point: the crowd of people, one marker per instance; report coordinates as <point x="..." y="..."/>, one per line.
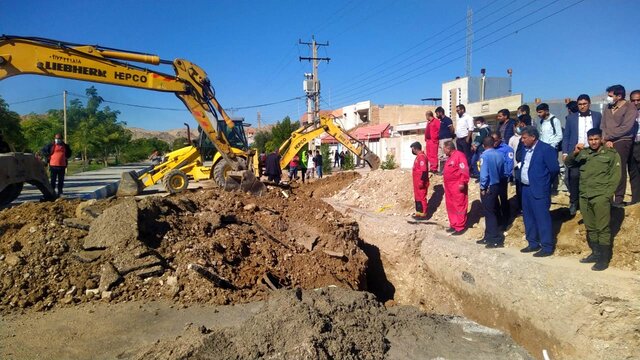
<point x="305" y="165"/>
<point x="596" y="150"/>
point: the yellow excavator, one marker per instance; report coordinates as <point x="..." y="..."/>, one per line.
<point x="325" y="124"/>
<point x="40" y="56"/>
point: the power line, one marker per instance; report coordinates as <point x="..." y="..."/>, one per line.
<point x="264" y="105"/>
<point x="30" y="100"/>
<point x="535" y="22"/>
<point x="353" y="87"/>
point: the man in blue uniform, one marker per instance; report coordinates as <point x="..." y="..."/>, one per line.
<point x="504" y="213"/>
<point x="491" y="170"/>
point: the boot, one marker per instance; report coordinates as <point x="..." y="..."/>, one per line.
<point x="595" y="254"/>
<point x="603" y="259"/>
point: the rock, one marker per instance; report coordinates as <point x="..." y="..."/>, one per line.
<point x="67" y="300"/>
<point x="116" y="225"/>
<point x="337" y="254"/>
<point x="32" y="229"/>
<point x="172" y="281"/>
<point x="14" y="260"/>
<point x="85" y="211"/>
<point x="108" y="277"/>
<point x="609" y="309"/>
<point x="250" y="207"/>
<point x="308" y="242"/>
<point x="106" y="295"/>
<point x="88" y="256"/>
<point x="148" y="272"/>
<point x="71" y="291"/>
<point x="91" y="292"/>
<point x="77" y="223"/>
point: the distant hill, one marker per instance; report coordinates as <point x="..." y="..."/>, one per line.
<point x="168" y="135"/>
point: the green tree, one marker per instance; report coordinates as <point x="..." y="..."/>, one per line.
<point x="326" y="159"/>
<point x="179" y="143"/>
<point x="348" y="161"/>
<point x="260" y="140"/>
<point x="10" y="127"/>
<point x="140" y="149"/>
<point x="281" y="131"/>
<point x="39" y="130"/>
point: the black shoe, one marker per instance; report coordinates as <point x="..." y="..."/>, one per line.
<point x="573" y="209"/>
<point x="592" y="258"/>
<point x="542" y="253"/>
<point x="451" y="230"/>
<point x="494" y="245"/>
<point x="482" y="242"/>
<point x="529" y="249"/>
<point x="603" y="259"/>
<point x="459" y="232"/>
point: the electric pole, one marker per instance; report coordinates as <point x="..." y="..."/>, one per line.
<point x="312" y="83"/>
<point x="64" y="113"/>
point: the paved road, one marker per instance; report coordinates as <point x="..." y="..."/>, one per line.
<point x="86" y="185"/>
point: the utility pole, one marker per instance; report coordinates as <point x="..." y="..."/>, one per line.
<point x="313" y="91"/>
<point x="259" y="119"/>
<point x="469" y="40"/>
<point x="64" y="113"/>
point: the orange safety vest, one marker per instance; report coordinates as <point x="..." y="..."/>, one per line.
<point x="58" y="156"/>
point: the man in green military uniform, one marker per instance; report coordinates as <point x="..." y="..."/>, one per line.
<point x="599" y="178"/>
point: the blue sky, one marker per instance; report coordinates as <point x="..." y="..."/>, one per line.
<point x="389" y="52"/>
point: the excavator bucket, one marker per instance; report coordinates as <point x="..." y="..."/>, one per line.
<point x="248" y="182"/>
<point x="129" y="184"/>
<point x="18" y="168"/>
<point x="373" y="160"/>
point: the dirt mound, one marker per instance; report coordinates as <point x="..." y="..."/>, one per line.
<point x="207" y="246"/>
<point x="329" y="185"/>
<point x="391" y="192"/>
<point x="334" y="323"/>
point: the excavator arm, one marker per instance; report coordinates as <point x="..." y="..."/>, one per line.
<point x="38" y="56"/>
<point x="304" y="135"/>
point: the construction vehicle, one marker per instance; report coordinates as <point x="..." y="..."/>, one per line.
<point x="188" y="163"/>
<point x="325" y="124"/>
<point x="39" y="56"/>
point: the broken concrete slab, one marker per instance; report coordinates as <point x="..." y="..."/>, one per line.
<point x="88" y="256"/>
<point x="77" y="223"/>
<point x="307" y="242"/>
<point x="108" y="277"/>
<point x="85" y="210"/>
<point x="116" y="225"/>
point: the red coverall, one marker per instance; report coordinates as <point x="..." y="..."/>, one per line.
<point x="431" y="138"/>
<point x="456" y="173"/>
<point x="420" y="183"/>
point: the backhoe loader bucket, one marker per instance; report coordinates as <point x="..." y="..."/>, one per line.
<point x="129" y="185"/>
<point x="18" y="168"/>
<point x="248" y="182"/>
<point x="373" y="160"/>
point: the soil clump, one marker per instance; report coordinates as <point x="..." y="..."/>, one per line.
<point x="207" y="246"/>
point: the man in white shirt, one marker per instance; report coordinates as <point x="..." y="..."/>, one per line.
<point x="464" y="130"/>
<point x="550" y="127"/>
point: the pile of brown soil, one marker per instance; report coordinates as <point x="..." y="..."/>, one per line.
<point x="391" y="192"/>
<point x="333" y="323"/>
<point x="208" y="246"/>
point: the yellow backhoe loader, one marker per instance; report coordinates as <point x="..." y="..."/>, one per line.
<point x="325" y="124"/>
<point x="39" y="56"/>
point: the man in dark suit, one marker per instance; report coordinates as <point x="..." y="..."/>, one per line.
<point x="539" y="170"/>
<point x="575" y="132"/>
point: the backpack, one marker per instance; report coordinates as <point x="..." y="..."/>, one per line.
<point x="553" y="126"/>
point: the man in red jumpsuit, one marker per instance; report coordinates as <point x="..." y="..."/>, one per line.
<point x="456" y="178"/>
<point x="431" y="138"/>
<point x="420" y="181"/>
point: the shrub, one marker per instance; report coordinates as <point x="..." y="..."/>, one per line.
<point x="389" y="163"/>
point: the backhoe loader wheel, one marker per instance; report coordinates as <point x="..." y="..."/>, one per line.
<point x="175" y="181"/>
<point x="221" y="175"/>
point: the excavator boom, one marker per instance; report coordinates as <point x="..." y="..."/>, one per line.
<point x="304" y="135"/>
<point x="38" y="56"/>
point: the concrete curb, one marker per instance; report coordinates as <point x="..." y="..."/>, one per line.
<point x="110" y="189"/>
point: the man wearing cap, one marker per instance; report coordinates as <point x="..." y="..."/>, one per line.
<point x="455" y="175"/>
<point x="58" y="152"/>
<point x="420" y="174"/>
<point x="431" y="138"/>
<point x="599" y="178"/>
